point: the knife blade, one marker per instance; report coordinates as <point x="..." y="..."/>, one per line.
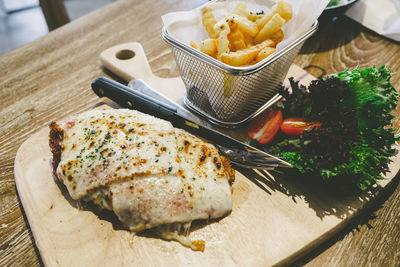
<point x="141" y="86"/>
<point x="159" y="106"/>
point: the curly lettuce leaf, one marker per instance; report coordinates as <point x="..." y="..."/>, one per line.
<point x="372" y="95"/>
<point x="354" y="144"/>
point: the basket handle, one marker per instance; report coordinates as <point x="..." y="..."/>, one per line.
<point x="128" y="61"/>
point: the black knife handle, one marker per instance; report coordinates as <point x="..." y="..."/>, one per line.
<point x="127" y="97"/>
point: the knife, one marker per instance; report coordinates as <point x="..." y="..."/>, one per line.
<point x="145" y="99"/>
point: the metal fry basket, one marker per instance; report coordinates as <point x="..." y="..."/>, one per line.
<point x="230" y="96"/>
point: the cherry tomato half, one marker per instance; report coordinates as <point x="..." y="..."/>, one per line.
<point x="266" y="126"/>
<point x="296" y="126"/>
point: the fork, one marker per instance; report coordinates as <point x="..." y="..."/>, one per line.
<point x="254" y="159"/>
<point x="154" y="103"/>
<point x="247" y="159"/>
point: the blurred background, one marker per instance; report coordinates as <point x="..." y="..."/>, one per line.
<point x="22" y="21"/>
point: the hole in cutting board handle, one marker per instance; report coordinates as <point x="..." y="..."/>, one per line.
<point x="125" y="54"/>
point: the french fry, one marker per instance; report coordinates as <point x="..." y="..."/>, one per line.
<point x="237" y="41"/>
<point x="241" y="10"/>
<point x="194" y="45"/>
<point x="284" y="9"/>
<point x="265" y="52"/>
<point x="246" y="26"/>
<point x="248" y="40"/>
<point x="227" y="85"/>
<point x="209" y="47"/>
<point x="236" y="37"/>
<point x="272" y="26"/>
<point x="244" y="37"/>
<point x="245" y="56"/>
<point x="241" y="57"/>
<point x="209" y="22"/>
<point x="254" y="16"/>
<point x="222" y="30"/>
<point x="277" y="37"/>
<point x="223" y="44"/>
<point x="221" y="26"/>
<point x="263" y="19"/>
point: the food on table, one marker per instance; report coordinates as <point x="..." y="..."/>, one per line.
<point x="266" y="126"/>
<point x="354" y="143"/>
<point x="243" y="37"/>
<point x="145" y="170"/>
<point x="209" y="22"/>
<point x="296" y="126"/>
<point x="247" y="55"/>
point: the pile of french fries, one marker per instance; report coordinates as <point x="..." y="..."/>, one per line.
<point x="244" y="38"/>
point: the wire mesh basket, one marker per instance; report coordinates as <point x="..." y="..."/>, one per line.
<point x="230" y="96"/>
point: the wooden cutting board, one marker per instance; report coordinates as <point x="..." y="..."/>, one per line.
<point x="275" y="218"/>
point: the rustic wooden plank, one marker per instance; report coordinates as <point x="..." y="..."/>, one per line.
<point x="373" y="239"/>
<point x="279" y="219"/>
<point x="50" y="77"/>
<point x="370" y="241"/>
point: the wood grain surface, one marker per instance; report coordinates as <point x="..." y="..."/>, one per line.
<point x="279" y="216"/>
<point x="51" y="77"/>
<point x="274" y="220"/>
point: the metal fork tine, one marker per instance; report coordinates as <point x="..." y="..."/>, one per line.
<point x="254" y="160"/>
<point x="256" y="156"/>
<point x="245" y="157"/>
<point x="251" y="166"/>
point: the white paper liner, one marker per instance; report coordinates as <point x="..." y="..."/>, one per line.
<point x="187" y="26"/>
<point x="381" y="16"/>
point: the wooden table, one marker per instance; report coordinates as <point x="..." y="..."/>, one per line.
<point x="51" y="77"/>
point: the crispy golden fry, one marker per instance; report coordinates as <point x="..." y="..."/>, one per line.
<point x="265" y="52"/>
<point x="241" y="57"/>
<point x="248" y="40"/>
<point x="246" y="26"/>
<point x="241" y="10"/>
<point x="194" y="45"/>
<point x="209" y="22"/>
<point x="277" y="37"/>
<point x="284" y="9"/>
<point x="245" y="56"/>
<point x="227" y="85"/>
<point x="236" y="37"/>
<point x="254" y="16"/>
<point x="223" y="44"/>
<point x="209" y="47"/>
<point x="272" y="26"/>
<point x="243" y="37"/>
<point x="263" y="19"/>
<point x="222" y="29"/>
<point x="221" y="26"/>
<point x="237" y="41"/>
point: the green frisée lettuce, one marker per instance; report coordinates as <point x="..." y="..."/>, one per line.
<point x="374" y="98"/>
<point x="355" y="142"/>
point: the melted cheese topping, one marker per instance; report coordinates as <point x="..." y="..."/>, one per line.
<point x="146" y="171"/>
<point x="103" y="147"/>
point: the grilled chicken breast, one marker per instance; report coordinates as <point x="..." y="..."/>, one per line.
<point x="141" y="167"/>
